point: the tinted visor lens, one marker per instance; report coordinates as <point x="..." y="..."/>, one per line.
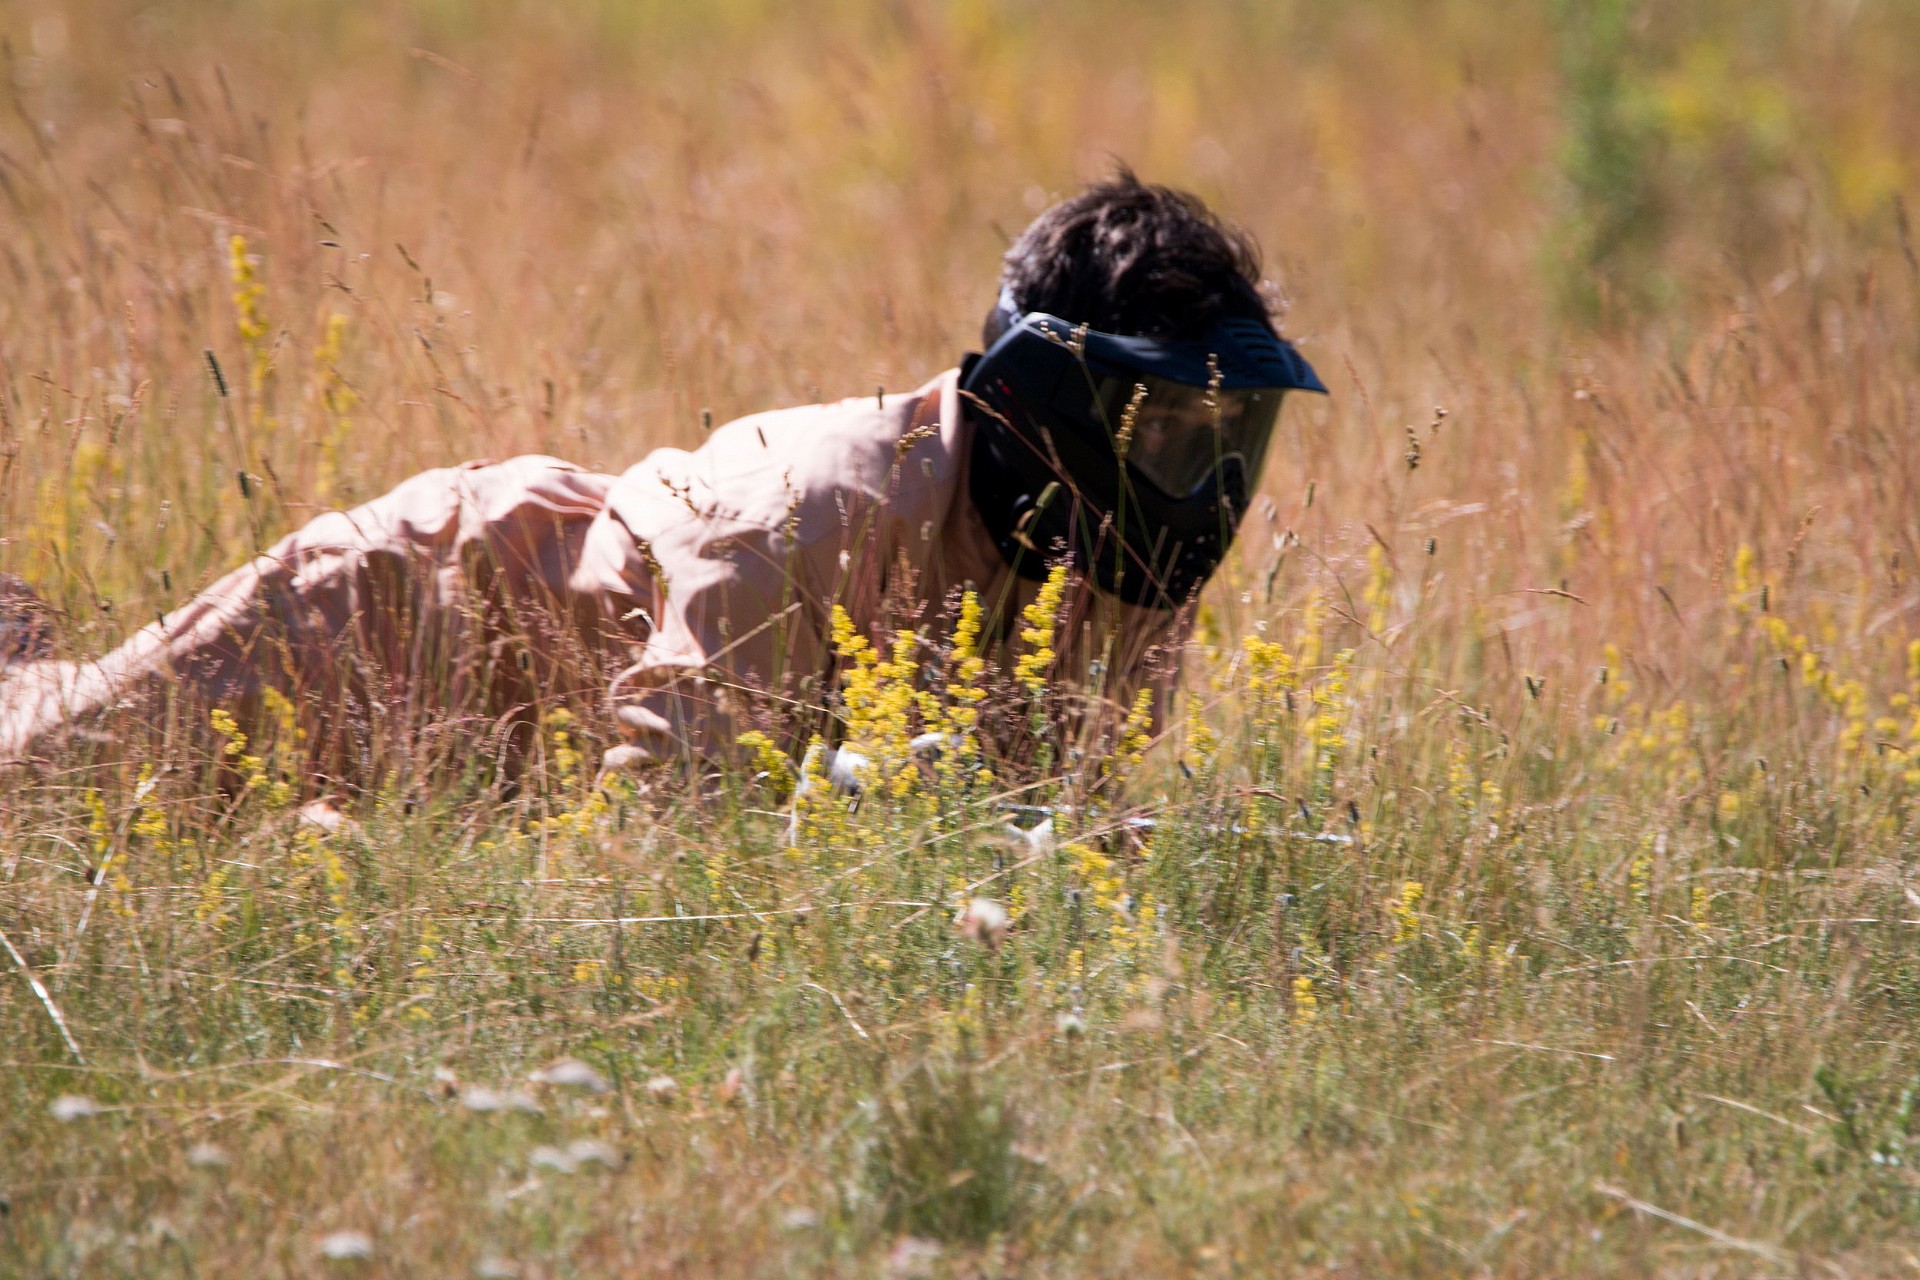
<point x="1180" y="439"/>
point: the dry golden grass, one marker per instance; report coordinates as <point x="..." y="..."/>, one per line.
<point x="1598" y="687"/>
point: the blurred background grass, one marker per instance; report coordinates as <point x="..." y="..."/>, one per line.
<point x="1615" y="652"/>
<point x="574" y="231"/>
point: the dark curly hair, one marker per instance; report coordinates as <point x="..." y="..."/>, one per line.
<point x="1130" y="257"/>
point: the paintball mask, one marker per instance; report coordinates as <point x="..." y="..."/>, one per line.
<point x="1133" y="457"/>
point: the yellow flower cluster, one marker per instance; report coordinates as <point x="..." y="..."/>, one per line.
<point x="1405" y="911"/>
<point x="1132" y="922"/>
<point x="1640" y="871"/>
<point x="1202" y="742"/>
<point x="1459" y="775"/>
<point x="1573" y="495"/>
<point x="425" y="954"/>
<point x="1473" y="945"/>
<point x="1137" y="733"/>
<point x="1306" y="1005"/>
<point x="1313" y="614"/>
<point x="767" y="760"/>
<point x="879" y="694"/>
<point x="288" y="735"/>
<point x="342" y="925"/>
<point x="1379" y="593"/>
<point x="248" y="292"/>
<point x="566" y="767"/>
<point x="659" y="989"/>
<point x="967" y="676"/>
<point x="335" y="395"/>
<point x="585" y="971"/>
<point x="1615" y="689"/>
<point x="820" y="820"/>
<point x="566" y="756"/>
<point x="111" y="870"/>
<point x="1096" y="873"/>
<point x="1329" y="712"/>
<point x="1848" y="697"/>
<point x="337" y="401"/>
<point x="1663" y="740"/>
<point x="233" y="745"/>
<point x="150" y="822"/>
<point x="580" y="819"/>
<point x="211" y="910"/>
<point x="1040" y="619"/>
<point x="1746" y="580"/>
<point x="271" y="775"/>
<point x="249" y="305"/>
<point x="99" y="829"/>
<point x="65" y="497"/>
<point x="1271" y="673"/>
<point x="1018" y="902"/>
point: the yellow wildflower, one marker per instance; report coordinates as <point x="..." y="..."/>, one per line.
<point x="1306" y="1006"/>
<point x="1137" y="733"/>
<point x="1040" y="619"/>
<point x="1405" y="911"/>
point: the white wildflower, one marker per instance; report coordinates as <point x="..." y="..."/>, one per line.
<point x="571" y="1073"/>
<point x="344" y="1246"/>
<point x="586" y="1151"/>
<point x="480" y="1098"/>
<point x="983" y="920"/>
<point x="550" y="1158"/>
<point x="204" y="1155"/>
<point x="69" y="1107"/>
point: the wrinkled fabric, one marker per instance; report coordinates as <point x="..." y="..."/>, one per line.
<point x="696" y="585"/>
<point x="443" y="605"/>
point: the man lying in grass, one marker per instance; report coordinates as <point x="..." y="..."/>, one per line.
<point x="1116" y="423"/>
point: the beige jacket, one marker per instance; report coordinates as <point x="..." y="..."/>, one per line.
<point x="688" y="588"/>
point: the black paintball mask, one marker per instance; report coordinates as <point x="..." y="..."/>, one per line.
<point x="1133" y="458"/>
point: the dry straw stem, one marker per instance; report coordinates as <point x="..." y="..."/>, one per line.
<point x="41" y="994"/>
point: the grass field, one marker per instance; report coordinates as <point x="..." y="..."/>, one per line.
<point x="1531" y="885"/>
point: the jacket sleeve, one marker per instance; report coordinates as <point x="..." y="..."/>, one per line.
<point x="729" y="614"/>
<point x="725" y="634"/>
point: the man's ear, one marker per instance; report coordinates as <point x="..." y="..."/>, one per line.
<point x="1000" y="319"/>
<point x="991" y="331"/>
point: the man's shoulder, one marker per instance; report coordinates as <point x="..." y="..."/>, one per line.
<point x="810" y="461"/>
<point x="832" y="430"/>
<point x="850" y="444"/>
